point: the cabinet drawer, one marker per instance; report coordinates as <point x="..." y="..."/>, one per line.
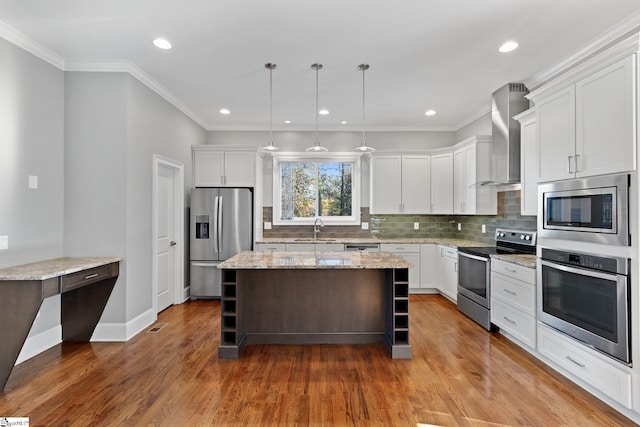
<point x="520" y="325"/>
<point x="513" y="270"/>
<point x="87" y="277"/>
<point x="271" y="247"/>
<point x="446" y="251"/>
<point x="587" y="365"/>
<point x="514" y="293"/>
<point x="399" y="248"/>
<point x="329" y="247"/>
<point x="300" y="247"/>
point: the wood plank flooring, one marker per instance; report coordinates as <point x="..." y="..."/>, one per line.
<point x="460" y="375"/>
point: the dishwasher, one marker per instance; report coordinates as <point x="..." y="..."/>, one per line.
<point x="369" y="247"/>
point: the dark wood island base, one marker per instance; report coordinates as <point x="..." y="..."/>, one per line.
<point x="332" y="304"/>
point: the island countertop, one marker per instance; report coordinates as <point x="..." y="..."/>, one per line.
<point x="248" y="260"/>
<point x="43" y="270"/>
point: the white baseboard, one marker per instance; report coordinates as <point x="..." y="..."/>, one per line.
<point x="186" y="293"/>
<point x="124" y="331"/>
<point x="38" y="343"/>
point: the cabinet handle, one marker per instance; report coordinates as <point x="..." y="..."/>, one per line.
<point x="569" y="164"/>
<point x="513" y="322"/>
<point x="511" y="270"/>
<point x="582" y="365"/>
<point x="575" y="163"/>
<point x="510" y="292"/>
<point x="91" y="276"/>
<point x="455" y="267"/>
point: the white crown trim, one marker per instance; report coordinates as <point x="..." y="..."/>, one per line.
<point x="17" y="38"/>
<point x="485" y="110"/>
<point x="618" y="32"/>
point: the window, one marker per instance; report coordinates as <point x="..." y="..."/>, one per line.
<point x="307" y="187"/>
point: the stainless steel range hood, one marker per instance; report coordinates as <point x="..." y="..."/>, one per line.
<point x="506" y="102"/>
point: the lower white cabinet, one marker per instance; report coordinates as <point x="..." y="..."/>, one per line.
<point x="299" y="247"/>
<point x="447" y="271"/>
<point x="599" y="372"/>
<point x="270" y="247"/>
<point x="513" y="301"/>
<point x="428" y="267"/>
<point x="410" y="253"/>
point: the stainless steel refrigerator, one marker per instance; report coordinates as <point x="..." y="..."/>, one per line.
<point x="221" y="226"/>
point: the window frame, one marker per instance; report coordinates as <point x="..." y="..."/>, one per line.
<point x="353" y="219"/>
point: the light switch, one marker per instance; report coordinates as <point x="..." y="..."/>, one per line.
<point x="459" y="227"/>
<point x="267" y="226"/>
<point x="484" y="228"/>
<point x="364" y="225"/>
<point x="4" y="242"/>
<point x="33" y="181"/>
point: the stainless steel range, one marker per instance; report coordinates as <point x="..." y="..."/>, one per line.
<point x="474" y="272"/>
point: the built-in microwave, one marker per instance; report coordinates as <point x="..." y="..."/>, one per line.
<point x="594" y="209"/>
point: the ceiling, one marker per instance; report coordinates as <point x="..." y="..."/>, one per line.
<point x="423" y="54"/>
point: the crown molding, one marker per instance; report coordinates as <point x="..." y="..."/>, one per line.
<point x="336" y="128"/>
<point x="140" y="75"/>
<point x="485" y="110"/>
<point x="618" y="32"/>
<point x="17" y="38"/>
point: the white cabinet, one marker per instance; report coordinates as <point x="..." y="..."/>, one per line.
<point x="513" y="301"/>
<point x="442" y="183"/>
<point x="300" y="247"/>
<point x="410" y="253"/>
<point x="428" y="267"/>
<point x="215" y="167"/>
<point x="400" y="184"/>
<point x="598" y="372"/>
<point x="529" y="163"/>
<point x="587" y="127"/>
<point x="472" y="165"/>
<point x="329" y="247"/>
<point x="447" y="271"/>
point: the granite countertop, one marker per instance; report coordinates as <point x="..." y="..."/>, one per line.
<point x="528" y="261"/>
<point x="453" y="242"/>
<point x="313" y="260"/>
<point x="43" y="270"/>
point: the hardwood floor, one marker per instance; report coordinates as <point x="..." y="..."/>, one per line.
<point x="460" y="375"/>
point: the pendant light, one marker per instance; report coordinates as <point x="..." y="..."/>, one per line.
<point x="270" y="147"/>
<point x="317" y="148"/>
<point x="363" y="148"/>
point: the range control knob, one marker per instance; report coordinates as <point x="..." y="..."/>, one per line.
<point x="527" y="237"/>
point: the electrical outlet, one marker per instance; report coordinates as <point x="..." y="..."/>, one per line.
<point x="459" y="227"/>
<point x="33" y="181"/>
<point x="416" y="226"/>
<point x="484" y="228"/>
<point x="267" y="226"/>
<point x="4" y="242"/>
<point x="364" y="225"/>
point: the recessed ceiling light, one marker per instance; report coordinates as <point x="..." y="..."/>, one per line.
<point x="508" y="47"/>
<point x="225" y="111"/>
<point x="344" y="122"/>
<point x="162" y="44"/>
<point x="430" y="113"/>
<point x="287" y="121"/>
<point x="323" y="112"/>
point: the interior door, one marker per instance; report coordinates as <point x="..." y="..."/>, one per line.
<point x="165" y="237"/>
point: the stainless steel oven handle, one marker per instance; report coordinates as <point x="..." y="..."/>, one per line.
<point x="581" y="271"/>
<point x="478" y="258"/>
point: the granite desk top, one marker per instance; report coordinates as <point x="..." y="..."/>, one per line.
<point x="43" y="270"/>
<point x="313" y="260"/>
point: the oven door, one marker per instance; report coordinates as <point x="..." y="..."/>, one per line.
<point x="591" y="306"/>
<point x="473" y="278"/>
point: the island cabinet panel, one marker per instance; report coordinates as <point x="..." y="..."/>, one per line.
<point x="315" y="306"/>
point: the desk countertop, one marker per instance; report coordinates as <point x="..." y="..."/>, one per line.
<point x="43" y="270"/>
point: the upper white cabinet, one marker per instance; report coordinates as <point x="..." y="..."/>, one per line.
<point x="442" y="183"/>
<point x="400" y="184"/>
<point x="471" y="166"/>
<point x="529" y="163"/>
<point x="216" y="167"/>
<point x="585" y="122"/>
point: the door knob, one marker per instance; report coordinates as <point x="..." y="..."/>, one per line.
<point x="172" y="243"/>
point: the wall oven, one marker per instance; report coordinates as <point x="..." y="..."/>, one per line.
<point x="594" y="209"/>
<point x="588" y="298"/>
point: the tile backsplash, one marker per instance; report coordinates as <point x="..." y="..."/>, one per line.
<point x="402" y="226"/>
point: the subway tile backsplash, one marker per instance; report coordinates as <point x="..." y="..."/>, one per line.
<point x="401" y="226"/>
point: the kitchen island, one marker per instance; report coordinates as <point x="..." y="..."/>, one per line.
<point x="315" y="298"/>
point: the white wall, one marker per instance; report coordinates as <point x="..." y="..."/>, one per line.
<point x="480" y="126"/>
<point x="31" y="143"/>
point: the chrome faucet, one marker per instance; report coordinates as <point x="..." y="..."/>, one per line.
<point x="316" y="227"/>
